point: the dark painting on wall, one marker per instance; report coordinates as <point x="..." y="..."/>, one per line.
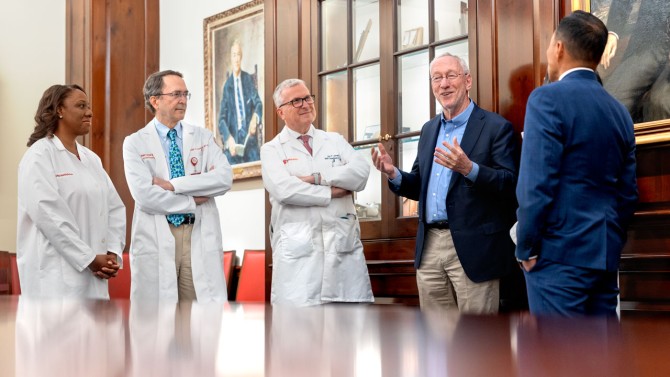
<point x="635" y="67"/>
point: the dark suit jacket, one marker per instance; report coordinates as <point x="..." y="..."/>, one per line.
<point x="228" y="116"/>
<point x="481" y="212"/>
<point x="577" y="188"/>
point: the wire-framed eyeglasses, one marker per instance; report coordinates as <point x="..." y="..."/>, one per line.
<point x="298" y="101"/>
<point x="451" y="77"/>
<point x="176" y="94"/>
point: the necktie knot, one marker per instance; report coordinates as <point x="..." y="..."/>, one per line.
<point x="172" y="134"/>
<point x="305" y="142"/>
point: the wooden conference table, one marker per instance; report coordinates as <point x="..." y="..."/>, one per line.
<point x="117" y="338"/>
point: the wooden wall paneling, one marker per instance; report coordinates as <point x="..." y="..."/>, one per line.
<point x="515" y="59"/>
<point x="482" y="26"/>
<point x="111" y="48"/>
<point x="391" y="267"/>
<point x="644" y="273"/>
<point x="78" y="24"/>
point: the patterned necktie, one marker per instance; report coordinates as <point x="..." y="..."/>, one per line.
<point x="240" y="105"/>
<point x="305" y="142"/>
<point x="176" y="170"/>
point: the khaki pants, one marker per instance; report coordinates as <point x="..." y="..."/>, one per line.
<point x="182" y="259"/>
<point x="442" y="281"/>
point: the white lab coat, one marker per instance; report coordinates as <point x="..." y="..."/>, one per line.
<point x="68" y="211"/>
<point x="152" y="246"/>
<point x="317" y="254"/>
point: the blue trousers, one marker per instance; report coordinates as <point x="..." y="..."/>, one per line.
<point x="570" y="291"/>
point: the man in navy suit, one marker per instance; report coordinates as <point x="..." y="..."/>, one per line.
<point x="464" y="177"/>
<point x="241" y="112"/>
<point x="577" y="188"/>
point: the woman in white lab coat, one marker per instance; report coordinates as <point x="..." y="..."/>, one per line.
<point x="71" y="221"/>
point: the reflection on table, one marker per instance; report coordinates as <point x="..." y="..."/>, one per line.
<point x="119" y="338"/>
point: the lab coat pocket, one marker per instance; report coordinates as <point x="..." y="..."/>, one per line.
<point x="296" y="240"/>
<point x="341" y="235"/>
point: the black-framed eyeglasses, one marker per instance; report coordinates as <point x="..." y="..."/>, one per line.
<point x="176" y="94"/>
<point x="298" y="101"/>
<point x="451" y="77"/>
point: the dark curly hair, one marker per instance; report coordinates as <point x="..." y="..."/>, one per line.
<point x="46" y="117"/>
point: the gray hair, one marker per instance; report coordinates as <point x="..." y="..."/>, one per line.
<point x="154" y="86"/>
<point x="288" y="83"/>
<point x="463" y="63"/>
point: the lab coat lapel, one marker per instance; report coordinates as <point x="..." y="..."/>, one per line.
<point x="155" y="147"/>
<point x="187" y="133"/>
<point x="318" y="141"/>
<point x="288" y="141"/>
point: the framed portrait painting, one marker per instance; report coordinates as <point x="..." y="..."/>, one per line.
<point x="635" y="67"/>
<point x="234" y="84"/>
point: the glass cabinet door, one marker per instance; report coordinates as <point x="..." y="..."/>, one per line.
<point x="374" y="84"/>
<point x="412" y="23"/>
<point x="333" y="51"/>
<point x="366" y="30"/>
<point x="366" y="109"/>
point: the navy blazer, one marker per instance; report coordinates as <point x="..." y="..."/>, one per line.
<point x="481" y="212"/>
<point x="577" y="188"/>
<point x="228" y="116"/>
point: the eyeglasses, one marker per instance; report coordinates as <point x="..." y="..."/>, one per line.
<point x="298" y="101"/>
<point x="176" y="95"/>
<point x="451" y="77"/>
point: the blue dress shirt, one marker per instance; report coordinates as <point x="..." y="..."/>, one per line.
<point x="165" y="140"/>
<point x="438" y="183"/>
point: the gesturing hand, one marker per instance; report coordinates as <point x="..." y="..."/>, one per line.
<point x="383" y="161"/>
<point x="453" y="158"/>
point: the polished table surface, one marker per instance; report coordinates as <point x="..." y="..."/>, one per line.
<point x="119" y="338"/>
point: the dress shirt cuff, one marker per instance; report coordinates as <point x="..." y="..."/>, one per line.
<point x="472" y="175"/>
<point x="529" y="258"/>
<point x="398" y="178"/>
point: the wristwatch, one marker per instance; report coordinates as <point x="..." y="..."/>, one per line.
<point x="317" y="178"/>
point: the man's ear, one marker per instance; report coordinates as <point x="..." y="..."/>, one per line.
<point x="560" y="50"/>
<point x="154" y="102"/>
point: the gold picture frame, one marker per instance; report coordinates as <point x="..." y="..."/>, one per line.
<point x="647" y="131"/>
<point x="242" y="26"/>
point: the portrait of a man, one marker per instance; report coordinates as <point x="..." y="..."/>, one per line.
<point x="635" y="67"/>
<point x="234" y="84"/>
<point x="241" y="112"/>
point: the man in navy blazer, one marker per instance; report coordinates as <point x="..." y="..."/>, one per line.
<point x="464" y="177"/>
<point x="577" y="188"/>
<point x="240" y="104"/>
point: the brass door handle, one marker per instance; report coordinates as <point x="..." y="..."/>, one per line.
<point x="386" y="137"/>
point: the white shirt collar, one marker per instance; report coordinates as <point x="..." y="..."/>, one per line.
<point x="572" y="70"/>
